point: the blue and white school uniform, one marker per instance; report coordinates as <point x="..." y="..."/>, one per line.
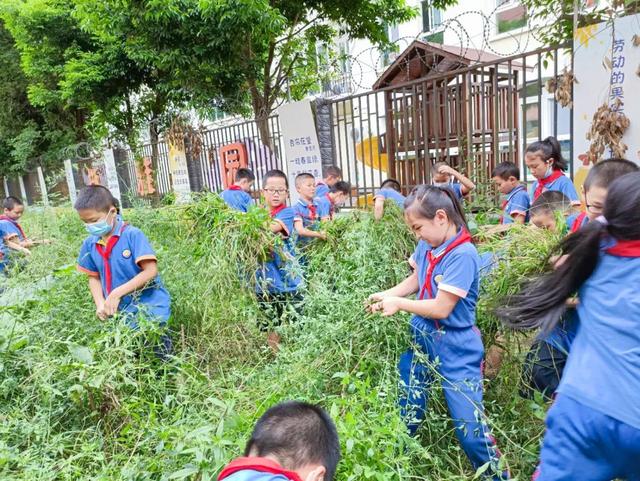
<point x="309" y="214"/>
<point x="453" y="346"/>
<point x="575" y="222"/>
<point x="394" y="195"/>
<point x="326" y="207"/>
<point x="11" y="228"/>
<point x="593" y="428"/>
<point x="118" y="262"/>
<point x="322" y="189"/>
<point x="237" y="199"/>
<point x="516" y="203"/>
<point x="278" y="275"/>
<point x="561" y="184"/>
<point x="456" y="187"/>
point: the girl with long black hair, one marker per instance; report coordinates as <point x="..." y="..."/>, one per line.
<point x="593" y="428"/>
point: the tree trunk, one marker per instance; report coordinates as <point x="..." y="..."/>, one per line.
<point x="261" y="112"/>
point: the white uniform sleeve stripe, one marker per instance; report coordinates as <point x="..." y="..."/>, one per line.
<point x="453" y="290"/>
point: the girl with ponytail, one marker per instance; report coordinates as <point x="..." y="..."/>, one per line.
<point x="545" y="162"/>
<point x="445" y="280"/>
<point x="593" y="428"/>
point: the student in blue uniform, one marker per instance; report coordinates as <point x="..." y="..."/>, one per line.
<point x="277" y="280"/>
<point x="237" y="196"/>
<point x="548" y="356"/>
<point x="515" y="207"/>
<point x="307" y="214"/>
<point x="121" y="265"/>
<point x="11" y="230"/>
<point x="331" y="175"/>
<point x="594" y="189"/>
<point x="389" y="189"/>
<point x="593" y="427"/>
<point x="335" y="198"/>
<point x="546" y="209"/>
<point x="443" y="175"/>
<point x="444" y="322"/>
<point x="292" y="441"/>
<point x="545" y="162"/>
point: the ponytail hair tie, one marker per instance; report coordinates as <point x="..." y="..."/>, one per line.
<point x="603" y="220"/>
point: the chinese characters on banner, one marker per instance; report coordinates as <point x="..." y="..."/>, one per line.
<point x="605" y="63"/>
<point x="300" y="142"/>
<point x="111" y="173"/>
<point x="179" y="174"/>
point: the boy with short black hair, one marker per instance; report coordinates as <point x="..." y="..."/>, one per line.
<point x="121" y="265"/>
<point x="277" y="282"/>
<point x="544" y="208"/>
<point x="389" y="189"/>
<point x="443" y="174"/>
<point x="292" y="441"/>
<point x="237" y="196"/>
<point x="333" y="199"/>
<point x="307" y="215"/>
<point x="331" y="175"/>
<point x="515" y="207"/>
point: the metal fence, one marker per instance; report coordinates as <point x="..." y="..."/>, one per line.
<point x="472" y="118"/>
<point x="203" y="155"/>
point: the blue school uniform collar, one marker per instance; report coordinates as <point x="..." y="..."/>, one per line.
<point x="515" y="190"/>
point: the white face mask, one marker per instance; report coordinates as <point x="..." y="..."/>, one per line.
<point x="549" y="170"/>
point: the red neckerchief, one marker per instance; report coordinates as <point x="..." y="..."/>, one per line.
<point x="433" y="261"/>
<point x="577" y="223"/>
<point x="262" y="465"/>
<point x="18" y="226"/>
<point x="506" y="201"/>
<point x="331" y="205"/>
<point x="625" y="248"/>
<point x="557" y="173"/>
<point x="275" y="211"/>
<point x="235" y="187"/>
<point x="313" y="212"/>
<point x="105" y="253"/>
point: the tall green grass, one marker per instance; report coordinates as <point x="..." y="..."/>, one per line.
<point x="84" y="399"/>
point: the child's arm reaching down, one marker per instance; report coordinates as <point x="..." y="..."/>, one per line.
<point x="438" y="308"/>
<point x="304" y="232"/>
<point x="149" y="272"/>
<point x="405" y="288"/>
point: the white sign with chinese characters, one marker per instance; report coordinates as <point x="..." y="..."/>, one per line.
<point x="300" y="142"/>
<point x="71" y="183"/>
<point x="179" y="174"/>
<point x="605" y="64"/>
<point x="111" y="173"/>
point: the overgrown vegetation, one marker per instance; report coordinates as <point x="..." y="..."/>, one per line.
<point x="82" y="399"/>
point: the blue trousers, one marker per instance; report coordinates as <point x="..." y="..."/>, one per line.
<point x="455" y="356"/>
<point x="587" y="445"/>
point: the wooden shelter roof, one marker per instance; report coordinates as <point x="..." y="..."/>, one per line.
<point x="425" y="59"/>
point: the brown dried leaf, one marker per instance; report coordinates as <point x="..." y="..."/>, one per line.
<point x="636" y="40"/>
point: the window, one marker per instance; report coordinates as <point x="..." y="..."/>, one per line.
<point x="390" y="54"/>
<point x="431" y="17"/>
<point x="510" y="15"/>
<point x="564" y="119"/>
<point x="532" y="125"/>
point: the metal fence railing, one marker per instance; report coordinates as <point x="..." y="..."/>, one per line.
<point x="473" y="117"/>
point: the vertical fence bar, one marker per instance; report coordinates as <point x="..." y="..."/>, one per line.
<point x="524" y="114"/>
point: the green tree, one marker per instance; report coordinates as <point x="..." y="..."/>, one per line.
<point x="239" y="55"/>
